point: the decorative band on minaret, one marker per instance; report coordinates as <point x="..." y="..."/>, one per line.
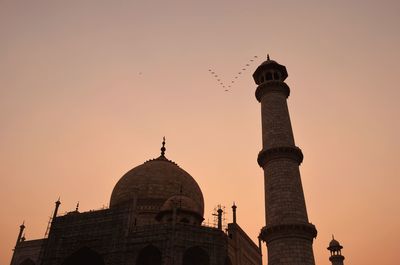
<point x="287" y="233"/>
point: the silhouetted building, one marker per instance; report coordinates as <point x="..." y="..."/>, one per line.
<point x="155" y="217"/>
<point x="156" y="210"/>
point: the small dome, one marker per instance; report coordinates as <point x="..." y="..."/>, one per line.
<point x="183" y="209"/>
<point x="183" y="203"/>
<point x="334" y="243"/>
<point x="269" y="65"/>
<point x="269" y="62"/>
<point x="151" y="184"/>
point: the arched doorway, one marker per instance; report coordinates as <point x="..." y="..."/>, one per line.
<point x="196" y="256"/>
<point x="149" y="255"/>
<point x="84" y="256"/>
<point x="27" y="262"/>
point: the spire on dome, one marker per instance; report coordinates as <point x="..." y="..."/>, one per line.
<point x="163" y="147"/>
<point x="268" y="57"/>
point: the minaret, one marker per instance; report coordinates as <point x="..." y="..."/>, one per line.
<point x="287" y="233"/>
<point x="336" y="252"/>
<point x="234" y="213"/>
<point x="219" y="213"/>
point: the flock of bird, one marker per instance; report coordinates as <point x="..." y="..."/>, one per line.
<point x="228" y="86"/>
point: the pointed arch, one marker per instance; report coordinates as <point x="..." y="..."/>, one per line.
<point x="149" y="255"/>
<point x="196" y="256"/>
<point x="84" y="256"/>
<point x="27" y="261"/>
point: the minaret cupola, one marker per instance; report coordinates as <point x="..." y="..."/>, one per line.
<point x="269" y="71"/>
<point x="336" y="252"/>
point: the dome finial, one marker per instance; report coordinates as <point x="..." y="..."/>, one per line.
<point x="163" y="147"/>
<point x="268" y="57"/>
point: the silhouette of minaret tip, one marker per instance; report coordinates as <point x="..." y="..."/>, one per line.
<point x="335" y="250"/>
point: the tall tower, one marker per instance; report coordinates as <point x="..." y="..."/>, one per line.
<point x="336" y="252"/>
<point x="287" y="233"/>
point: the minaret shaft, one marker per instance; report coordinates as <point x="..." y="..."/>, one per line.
<point x="276" y="126"/>
<point x="288" y="233"/>
<point x="284" y="197"/>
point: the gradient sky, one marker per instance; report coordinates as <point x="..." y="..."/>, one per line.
<point x="88" y="89"/>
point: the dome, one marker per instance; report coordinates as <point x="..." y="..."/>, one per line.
<point x="181" y="209"/>
<point x="183" y="203"/>
<point x="334" y="243"/>
<point x="269" y="65"/>
<point x="269" y="62"/>
<point x="151" y="184"/>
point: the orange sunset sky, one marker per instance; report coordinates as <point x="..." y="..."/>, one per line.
<point x="88" y="89"/>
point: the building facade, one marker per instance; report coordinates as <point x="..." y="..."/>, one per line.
<point x="155" y="218"/>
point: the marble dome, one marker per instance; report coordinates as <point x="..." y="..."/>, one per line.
<point x="151" y="184"/>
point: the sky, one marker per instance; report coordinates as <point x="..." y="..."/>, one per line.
<point x="89" y="88"/>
